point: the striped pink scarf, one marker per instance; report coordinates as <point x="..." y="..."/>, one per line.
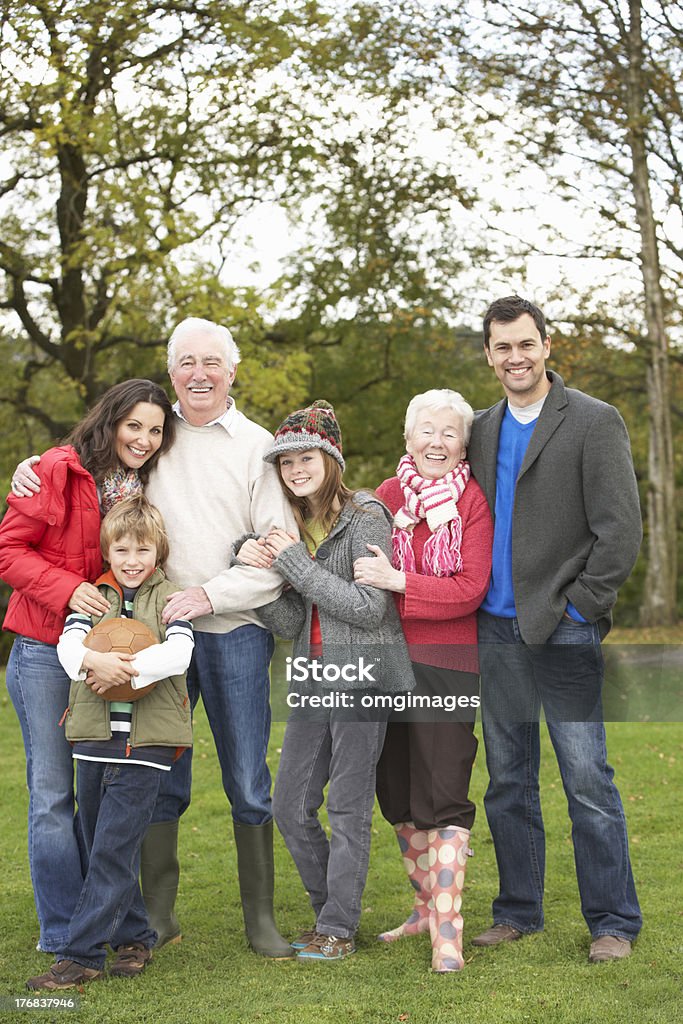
<point x="436" y="501"/>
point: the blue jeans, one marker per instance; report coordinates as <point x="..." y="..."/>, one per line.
<point x="343" y="750"/>
<point x="230" y="671"/>
<point x="39" y="690"/>
<point x="115" y="804"/>
<point x="564" y="677"/>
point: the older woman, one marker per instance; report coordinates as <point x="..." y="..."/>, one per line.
<point x="441" y="540"/>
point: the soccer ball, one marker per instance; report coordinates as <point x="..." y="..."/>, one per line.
<point x="127" y="636"/>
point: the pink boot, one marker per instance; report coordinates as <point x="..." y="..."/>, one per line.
<point x="414" y="846"/>
<point x="447" y="859"/>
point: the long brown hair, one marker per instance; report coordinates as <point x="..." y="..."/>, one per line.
<point x="332" y="488"/>
<point x="94" y="438"/>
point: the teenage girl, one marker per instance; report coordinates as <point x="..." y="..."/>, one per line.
<point x="348" y="637"/>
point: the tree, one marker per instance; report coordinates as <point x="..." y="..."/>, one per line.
<point x="596" y="91"/>
<point x="139" y="132"/>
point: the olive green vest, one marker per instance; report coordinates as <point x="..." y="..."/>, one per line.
<point x="162" y="717"/>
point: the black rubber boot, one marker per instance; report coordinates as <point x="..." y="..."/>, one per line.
<point x="257" y="877"/>
<point x="159" y="874"/>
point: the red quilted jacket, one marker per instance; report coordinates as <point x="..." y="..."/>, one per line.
<point x="49" y="544"/>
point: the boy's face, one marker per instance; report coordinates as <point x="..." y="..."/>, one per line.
<point x="132" y="561"/>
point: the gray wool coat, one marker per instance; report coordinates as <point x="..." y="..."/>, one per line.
<point x="576" y="527"/>
<point x="355" y="620"/>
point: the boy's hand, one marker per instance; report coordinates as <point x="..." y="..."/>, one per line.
<point x="87" y="599"/>
<point x="107" y="670"/>
<point x="254" y="553"/>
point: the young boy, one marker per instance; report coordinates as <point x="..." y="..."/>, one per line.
<point x="121" y="749"/>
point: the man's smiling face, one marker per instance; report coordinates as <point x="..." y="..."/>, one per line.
<point x="201" y="377"/>
<point x="517" y="354"/>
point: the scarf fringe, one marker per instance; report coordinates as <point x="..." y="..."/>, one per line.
<point x="402" y="546"/>
<point x="441" y="554"/>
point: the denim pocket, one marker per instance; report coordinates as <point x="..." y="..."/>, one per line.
<point x="568" y="631"/>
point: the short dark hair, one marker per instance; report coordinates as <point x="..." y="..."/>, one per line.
<point x="94" y="438"/>
<point x="505" y="311"/>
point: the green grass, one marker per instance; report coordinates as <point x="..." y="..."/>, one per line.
<point x="213" y="977"/>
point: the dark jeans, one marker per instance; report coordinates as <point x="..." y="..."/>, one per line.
<point x="564" y="677"/>
<point x="115" y="804"/>
<point x="230" y="671"/>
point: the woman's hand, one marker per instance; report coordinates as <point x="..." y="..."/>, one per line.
<point x="107" y="670"/>
<point x="278" y="539"/>
<point x="255" y="553"/>
<point x="379" y="572"/>
<point x="87" y="599"/>
<point x="26" y="483"/>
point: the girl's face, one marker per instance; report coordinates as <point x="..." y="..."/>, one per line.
<point x="303" y="474"/>
<point x="139" y="434"/>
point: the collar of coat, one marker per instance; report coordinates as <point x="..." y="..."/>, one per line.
<point x="110" y="580"/>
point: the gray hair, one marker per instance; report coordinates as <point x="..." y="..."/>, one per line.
<point x="435" y="400"/>
<point x="194" y="325"/>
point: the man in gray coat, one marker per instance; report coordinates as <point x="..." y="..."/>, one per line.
<point x="555" y="465"/>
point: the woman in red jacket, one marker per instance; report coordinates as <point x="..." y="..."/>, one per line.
<point x="50" y="556"/>
<point x="441" y="540"/>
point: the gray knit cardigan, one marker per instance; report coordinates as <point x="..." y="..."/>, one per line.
<point x="355" y="620"/>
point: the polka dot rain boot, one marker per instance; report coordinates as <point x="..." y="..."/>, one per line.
<point x="448" y="849"/>
<point x="414" y="845"/>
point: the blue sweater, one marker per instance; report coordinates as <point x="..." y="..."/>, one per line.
<point x="513" y="442"/>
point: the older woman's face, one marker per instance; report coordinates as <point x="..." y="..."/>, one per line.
<point x="436" y="443"/>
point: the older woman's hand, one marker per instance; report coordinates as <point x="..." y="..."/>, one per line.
<point x="379" y="572"/>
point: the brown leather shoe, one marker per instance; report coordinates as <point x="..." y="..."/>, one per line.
<point x="496" y="934"/>
<point x="609" y="947"/>
<point x="63" y="974"/>
<point x="130" y="960"/>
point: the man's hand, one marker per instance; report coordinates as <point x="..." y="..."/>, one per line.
<point x="277" y="540"/>
<point x="107" y="670"/>
<point x="254" y="553"/>
<point x="87" y="599"/>
<point x="379" y="572"/>
<point x="24" y="481"/>
<point x="187" y="604"/>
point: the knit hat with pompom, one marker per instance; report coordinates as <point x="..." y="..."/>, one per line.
<point x="313" y="427"/>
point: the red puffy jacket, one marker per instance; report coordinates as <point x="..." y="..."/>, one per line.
<point x="49" y="544"/>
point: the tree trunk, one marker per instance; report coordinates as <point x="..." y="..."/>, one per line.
<point x="658" y="607"/>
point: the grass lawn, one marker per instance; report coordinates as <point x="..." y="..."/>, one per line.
<point x="212" y="977"/>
